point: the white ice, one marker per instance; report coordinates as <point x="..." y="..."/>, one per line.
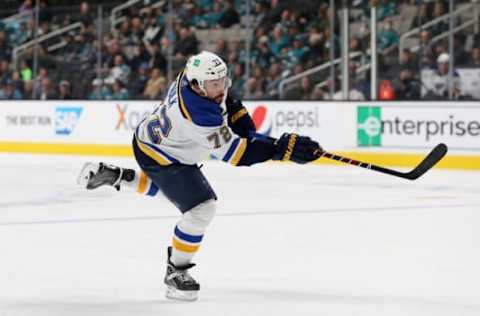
<point x="287" y="240"/>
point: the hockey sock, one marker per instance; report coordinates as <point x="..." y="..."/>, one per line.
<point x="189" y="232"/>
<point x="140" y="183"/>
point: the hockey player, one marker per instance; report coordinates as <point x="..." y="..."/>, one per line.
<point x="195" y="120"/>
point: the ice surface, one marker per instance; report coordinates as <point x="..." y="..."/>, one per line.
<point x="287" y="240"/>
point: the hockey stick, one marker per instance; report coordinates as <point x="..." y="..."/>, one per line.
<point x="427" y="163"/>
<point x="431" y="160"/>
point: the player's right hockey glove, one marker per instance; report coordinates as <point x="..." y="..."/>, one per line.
<point x="300" y="149"/>
<point x="238" y="118"/>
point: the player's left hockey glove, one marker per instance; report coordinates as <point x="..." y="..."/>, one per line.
<point x="300" y="149"/>
<point x="238" y="118"/>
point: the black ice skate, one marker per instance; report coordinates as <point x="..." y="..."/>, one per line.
<point x="180" y="284"/>
<point x="94" y="175"/>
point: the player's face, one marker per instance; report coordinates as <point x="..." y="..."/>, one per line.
<point x="216" y="89"/>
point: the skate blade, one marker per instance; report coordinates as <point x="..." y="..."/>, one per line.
<point x="88" y="169"/>
<point x="175" y="294"/>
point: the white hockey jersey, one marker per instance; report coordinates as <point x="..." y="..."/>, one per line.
<point x="187" y="128"/>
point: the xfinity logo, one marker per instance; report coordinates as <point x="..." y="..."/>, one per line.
<point x="128" y="120"/>
<point x="66" y="118"/>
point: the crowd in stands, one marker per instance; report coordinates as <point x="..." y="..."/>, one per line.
<point x="130" y="61"/>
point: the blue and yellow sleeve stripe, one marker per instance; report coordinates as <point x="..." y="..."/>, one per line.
<point x="236" y="151"/>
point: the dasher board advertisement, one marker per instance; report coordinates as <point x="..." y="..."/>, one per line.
<point x="407" y="125"/>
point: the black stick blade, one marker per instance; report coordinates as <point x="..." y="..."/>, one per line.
<point x="431" y="160"/>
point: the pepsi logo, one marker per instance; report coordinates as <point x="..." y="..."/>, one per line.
<point x="261" y="120"/>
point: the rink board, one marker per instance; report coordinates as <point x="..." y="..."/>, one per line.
<point x="397" y="133"/>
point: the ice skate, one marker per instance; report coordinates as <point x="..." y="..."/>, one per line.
<point x="94" y="175"/>
<point x="180" y="284"/>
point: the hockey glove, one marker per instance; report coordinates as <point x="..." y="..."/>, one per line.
<point x="300" y="149"/>
<point x="238" y="118"/>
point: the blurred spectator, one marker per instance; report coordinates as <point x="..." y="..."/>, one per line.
<point x="386" y="8"/>
<point x="323" y="20"/>
<point x="317" y="94"/>
<point x="85" y="47"/>
<point x="64" y="90"/>
<point x="157" y="59"/>
<point x="99" y="91"/>
<point x="440" y="80"/>
<point x="460" y="55"/>
<point x="407" y="60"/>
<point x="42" y="74"/>
<point x="257" y="72"/>
<point x="198" y="17"/>
<point x="238" y="81"/>
<point x="259" y="12"/>
<point x="388" y="38"/>
<point x="327" y="42"/>
<point x="26" y="7"/>
<point x="185" y="10"/>
<point x="121" y="70"/>
<point x="408" y="87"/>
<point x="438" y="11"/>
<point x="213" y="16"/>
<point x="25" y="71"/>
<point x="300" y="91"/>
<point x="297" y="53"/>
<point x="119" y="91"/>
<point x="45" y="12"/>
<point x="5" y="72"/>
<point x="28" y="90"/>
<point x="279" y="41"/>
<point x="44" y="29"/>
<point x="17" y="81"/>
<point x="356" y="45"/>
<point x="5" y="47"/>
<point x="474" y="60"/>
<point x="140" y="56"/>
<point x="221" y="49"/>
<point x="137" y="31"/>
<point x="156" y="85"/>
<point x="274" y="13"/>
<point x="426" y="54"/>
<point x="153" y="32"/>
<point x="316" y="45"/>
<point x="254" y="89"/>
<point x="124" y="32"/>
<point x="69" y="50"/>
<point x="139" y="81"/>
<point x="423" y="15"/>
<point x="353" y="94"/>
<point x="9" y="91"/>
<point x="113" y="49"/>
<point x="229" y="15"/>
<point x="187" y="43"/>
<point x="273" y="80"/>
<point x="262" y="55"/>
<point x="85" y="16"/>
<point x="46" y="92"/>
